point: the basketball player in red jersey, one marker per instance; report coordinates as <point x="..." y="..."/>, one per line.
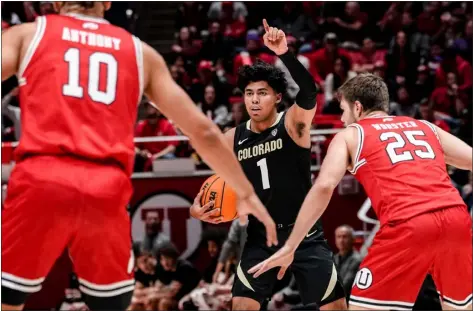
<point x="425" y="226"/>
<point x="81" y="80"/>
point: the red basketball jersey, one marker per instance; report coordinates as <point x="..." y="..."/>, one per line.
<point x="80" y="83"/>
<point x="401" y="165"/>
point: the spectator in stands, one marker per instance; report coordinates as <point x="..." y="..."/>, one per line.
<point x="286" y="299"/>
<point x="350" y="25"/>
<point x="213" y="107"/>
<point x="233" y="244"/>
<point x="252" y="52"/>
<point x="463" y="44"/>
<point x="427" y="113"/>
<point x="292" y="87"/>
<point x="294" y="22"/>
<point x="454" y="63"/>
<point x="145" y="278"/>
<point x="190" y="14"/>
<point x="185" y="44"/>
<point x="207" y="74"/>
<point x="333" y="81"/>
<point x="380" y="69"/>
<point x="219" y="9"/>
<point x="368" y="56"/>
<point x="155" y="124"/>
<point x="237" y="116"/>
<point x="347" y="259"/>
<point x="449" y="99"/>
<point x="215" y="46"/>
<point x="402" y="63"/>
<point x="214" y="238"/>
<point x="9" y="16"/>
<point x="175" y="278"/>
<point x="154" y="239"/>
<point x="322" y="61"/>
<point x="403" y="106"/>
<point x="434" y="59"/>
<point x="428" y="21"/>
<point x="423" y="86"/>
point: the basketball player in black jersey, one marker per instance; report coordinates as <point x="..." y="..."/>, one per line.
<point x="274" y="150"/>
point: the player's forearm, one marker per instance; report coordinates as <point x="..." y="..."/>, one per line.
<point x="214" y="150"/>
<point x="308" y="90"/>
<point x="313" y="207"/>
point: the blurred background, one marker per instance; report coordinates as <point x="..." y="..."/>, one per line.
<point x="423" y="50"/>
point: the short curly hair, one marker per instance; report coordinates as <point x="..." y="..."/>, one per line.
<point x="262" y="71"/>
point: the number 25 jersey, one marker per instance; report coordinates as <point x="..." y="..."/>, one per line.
<point x="80" y="84"/>
<point x="401" y="165"/>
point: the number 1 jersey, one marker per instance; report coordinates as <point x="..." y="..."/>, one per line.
<point x="81" y="80"/>
<point x="401" y="165"/>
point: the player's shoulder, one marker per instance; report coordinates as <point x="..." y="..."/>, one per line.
<point x="22" y="29"/>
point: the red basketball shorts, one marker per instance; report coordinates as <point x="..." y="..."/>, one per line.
<point x="439" y="243"/>
<point x="54" y="203"/>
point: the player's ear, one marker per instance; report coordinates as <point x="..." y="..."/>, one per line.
<point x="278" y="98"/>
<point x="358" y="108"/>
<point x="107" y="5"/>
<point x="57" y="5"/>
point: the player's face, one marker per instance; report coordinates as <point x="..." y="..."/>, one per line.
<point x="261" y="101"/>
<point x="349" y="111"/>
<point x="212" y="248"/>
<point x="167" y="263"/>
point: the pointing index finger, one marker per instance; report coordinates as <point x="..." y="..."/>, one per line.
<point x="265" y="24"/>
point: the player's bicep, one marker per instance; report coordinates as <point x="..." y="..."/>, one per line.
<point x="298" y="123"/>
<point x="171" y="99"/>
<point x="11" y="46"/>
<point x="335" y="164"/>
<point x="457" y="153"/>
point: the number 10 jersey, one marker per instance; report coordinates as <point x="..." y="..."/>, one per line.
<point x="401" y="165"/>
<point x="81" y="80"/>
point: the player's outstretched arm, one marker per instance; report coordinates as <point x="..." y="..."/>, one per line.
<point x="11" y="48"/>
<point x="299" y="117"/>
<point x="332" y="171"/>
<point x="457" y="152"/>
<point x="206" y="137"/>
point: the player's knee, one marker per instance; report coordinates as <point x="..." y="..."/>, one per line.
<point x="244" y="303"/>
<point x="117" y="302"/>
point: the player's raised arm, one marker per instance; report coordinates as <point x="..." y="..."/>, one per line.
<point x="332" y="171"/>
<point x="457" y="152"/>
<point x="299" y="116"/>
<point x="206" y="137"/>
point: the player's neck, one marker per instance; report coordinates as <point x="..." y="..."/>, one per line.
<point x="373" y="114"/>
<point x="81" y="11"/>
<point x="261" y="126"/>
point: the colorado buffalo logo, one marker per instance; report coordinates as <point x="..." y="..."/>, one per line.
<point x="184" y="231"/>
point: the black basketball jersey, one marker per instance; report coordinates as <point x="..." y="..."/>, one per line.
<point x="278" y="168"/>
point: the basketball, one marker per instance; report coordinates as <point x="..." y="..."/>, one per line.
<point x="217" y="190"/>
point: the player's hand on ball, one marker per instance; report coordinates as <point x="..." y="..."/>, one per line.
<point x="205" y="213"/>
<point x="274" y="39"/>
<point x="252" y="205"/>
<point x="282" y="258"/>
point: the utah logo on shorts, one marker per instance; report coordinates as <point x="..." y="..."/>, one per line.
<point x="363" y="279"/>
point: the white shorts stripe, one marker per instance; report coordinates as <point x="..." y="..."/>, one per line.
<point x="40" y="29"/>
<point x="458" y="304"/>
<point x="331" y="283"/>
<point x="106" y="294"/>
<point x="23" y="281"/>
<point x="370" y="306"/>
<point x="383" y="302"/>
<point x="107" y="287"/>
<point x="21" y="288"/>
<point x="243" y="279"/>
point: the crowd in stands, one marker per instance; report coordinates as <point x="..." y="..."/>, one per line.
<point x="423" y="50"/>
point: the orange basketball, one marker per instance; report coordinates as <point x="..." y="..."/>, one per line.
<point x="217" y="190"/>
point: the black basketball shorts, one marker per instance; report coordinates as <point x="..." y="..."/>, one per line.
<point x="313" y="269"/>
